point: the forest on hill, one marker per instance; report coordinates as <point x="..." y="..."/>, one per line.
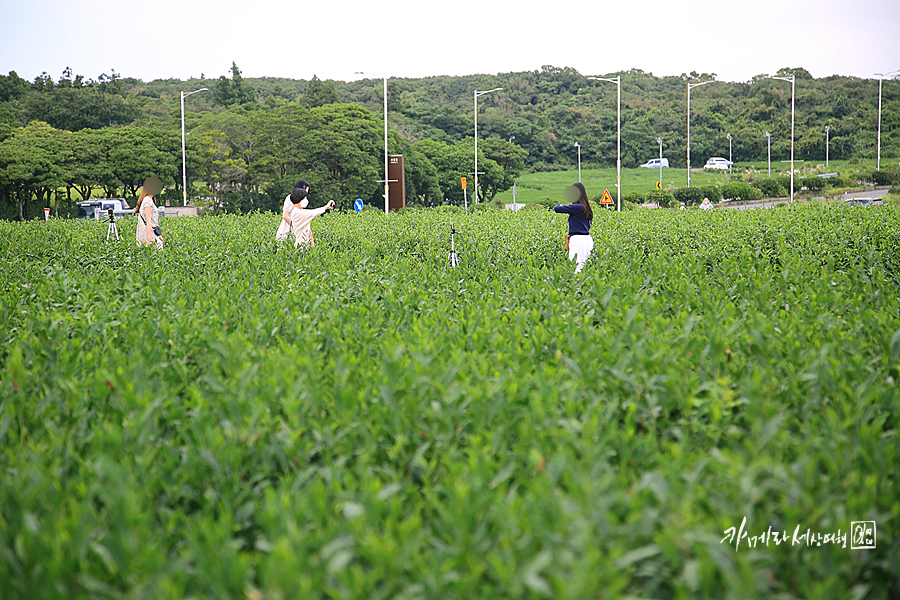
<point x="248" y="136"/>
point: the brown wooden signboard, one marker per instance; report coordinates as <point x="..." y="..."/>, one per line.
<point x="397" y="177"/>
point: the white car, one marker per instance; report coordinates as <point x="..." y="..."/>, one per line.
<point x="717" y="163"/>
<point x="655" y="164"/>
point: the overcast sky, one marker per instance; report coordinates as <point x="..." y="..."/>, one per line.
<point x="335" y="38"/>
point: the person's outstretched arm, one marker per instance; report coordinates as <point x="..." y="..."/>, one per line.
<point x="568" y="208"/>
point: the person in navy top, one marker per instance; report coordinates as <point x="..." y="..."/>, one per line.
<point x="580" y="242"/>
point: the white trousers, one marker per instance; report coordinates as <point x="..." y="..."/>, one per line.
<point x="580" y="247"/>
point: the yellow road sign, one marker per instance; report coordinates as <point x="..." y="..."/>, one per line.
<point x="606" y="199"/>
<point x="659" y="185"/>
<point x="463" y="183"/>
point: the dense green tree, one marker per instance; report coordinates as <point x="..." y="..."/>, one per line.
<point x="453" y="162"/>
<point x="422" y="183"/>
<point x="74" y="108"/>
<point x="12" y="87"/>
<point x="234" y="90"/>
<point x="511" y="162"/>
<point x="30" y="165"/>
<point x="319" y="93"/>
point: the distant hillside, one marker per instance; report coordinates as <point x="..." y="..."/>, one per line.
<point x="546" y="111"/>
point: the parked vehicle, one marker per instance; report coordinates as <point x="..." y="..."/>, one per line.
<point x="99" y="208"/>
<point x="655" y="164"/>
<point x="717" y="162"/>
<point x="864" y="202"/>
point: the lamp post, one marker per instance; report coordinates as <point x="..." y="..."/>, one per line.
<point x="730" y="164"/>
<point x="618" y="81"/>
<point x="515" y="206"/>
<point x="881" y="77"/>
<point x="183" y="155"/>
<point x="477" y="93"/>
<point x="577" y="145"/>
<point x="826" y="146"/>
<point x="769" y="153"/>
<point x="792" y="80"/>
<point x="691" y="86"/>
<point x="386" y="180"/>
<point x="659" y="139"/>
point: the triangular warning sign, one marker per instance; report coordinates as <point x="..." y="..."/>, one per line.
<point x="606" y="199"/>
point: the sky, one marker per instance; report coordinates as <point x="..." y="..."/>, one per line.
<point x="404" y="38"/>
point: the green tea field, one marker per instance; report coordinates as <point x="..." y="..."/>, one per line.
<point x="232" y="418"/>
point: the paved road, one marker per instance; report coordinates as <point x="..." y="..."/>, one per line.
<point x="773" y="201"/>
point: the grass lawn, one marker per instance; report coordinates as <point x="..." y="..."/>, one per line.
<point x="533" y="186"/>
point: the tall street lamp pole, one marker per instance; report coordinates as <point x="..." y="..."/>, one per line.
<point x="577" y="145"/>
<point x="477" y="93"/>
<point x="691" y="86"/>
<point x="826" y="146"/>
<point x="659" y="139"/>
<point x="792" y="80"/>
<point x="387" y="183"/>
<point x="769" y="153"/>
<point x="183" y="155"/>
<point x="881" y="77"/>
<point x="618" y="81"/>
<point x="730" y="164"/>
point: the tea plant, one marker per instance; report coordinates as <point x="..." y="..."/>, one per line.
<point x="234" y="418"/>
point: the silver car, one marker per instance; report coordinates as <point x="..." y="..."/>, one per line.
<point x="864" y="202"/>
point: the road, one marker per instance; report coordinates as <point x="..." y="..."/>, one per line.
<point x="874" y="193"/>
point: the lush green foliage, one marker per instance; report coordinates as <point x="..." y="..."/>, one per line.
<point x="544" y="112"/>
<point x="231" y="418"/>
<point x="739" y="190"/>
<point x="661" y="198"/>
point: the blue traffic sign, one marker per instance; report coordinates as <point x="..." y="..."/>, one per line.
<point x="358" y="205"/>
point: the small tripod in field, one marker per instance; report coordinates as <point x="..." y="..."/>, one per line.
<point x="454" y="259"/>
<point x="111" y="229"/>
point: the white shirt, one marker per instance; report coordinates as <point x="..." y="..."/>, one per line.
<point x="283" y="228"/>
<point x="300" y="220"/>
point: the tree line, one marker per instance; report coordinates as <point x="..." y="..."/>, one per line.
<point x="240" y="158"/>
<point x="249" y="137"/>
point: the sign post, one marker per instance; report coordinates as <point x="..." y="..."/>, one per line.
<point x="465" y="197"/>
<point x="396" y="174"/>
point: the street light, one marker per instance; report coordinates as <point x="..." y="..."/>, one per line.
<point x="618" y="81"/>
<point x="477" y="93"/>
<point x="730" y="164"/>
<point x="881" y="77"/>
<point x="577" y="145"/>
<point x="386" y="180"/>
<point x="511" y="138"/>
<point x="791" y="79"/>
<point x="769" y="154"/>
<point x="183" y="156"/>
<point x="691" y="86"/>
<point x="659" y="139"/>
<point x="826" y="146"/>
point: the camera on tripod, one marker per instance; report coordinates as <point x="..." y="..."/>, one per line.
<point x="111" y="230"/>
<point x="453" y="258"/>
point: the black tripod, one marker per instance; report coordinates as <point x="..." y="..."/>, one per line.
<point x="111" y="229"/>
<point x="454" y="259"/>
